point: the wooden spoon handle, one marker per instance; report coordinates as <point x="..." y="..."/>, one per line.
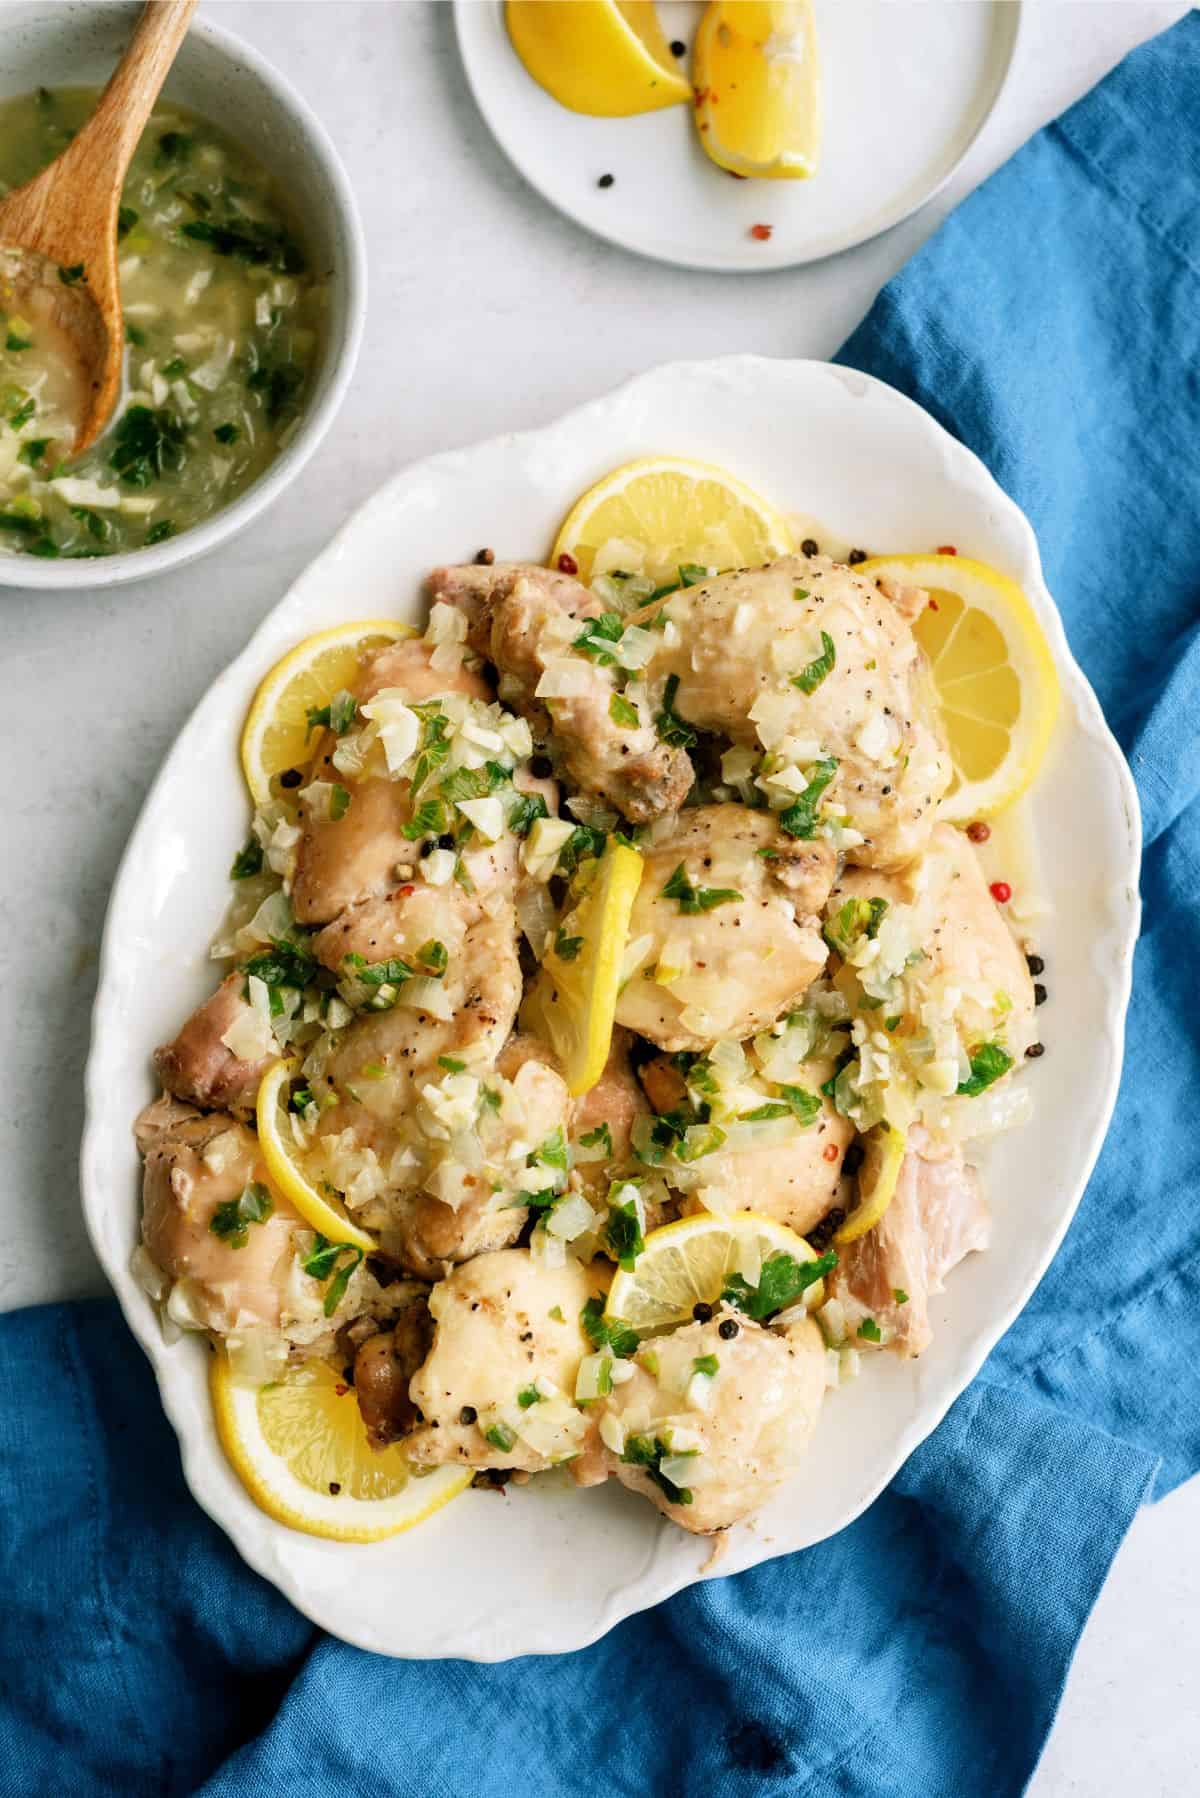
<point x="103" y="149"/>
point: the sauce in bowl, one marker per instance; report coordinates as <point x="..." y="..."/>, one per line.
<point x="224" y="325"/>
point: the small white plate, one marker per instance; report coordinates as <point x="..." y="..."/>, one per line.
<point x="550" y="1568"/>
<point x="908" y="86"/>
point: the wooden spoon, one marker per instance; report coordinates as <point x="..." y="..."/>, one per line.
<point x="58" y="233"/>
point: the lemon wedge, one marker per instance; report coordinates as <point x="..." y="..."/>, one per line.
<point x="605" y="57"/>
<point x="574" y="1000"/>
<point x="656" y="515"/>
<point x="690" y="1262"/>
<point x="300" y="1448"/>
<point x="276" y="736"/>
<point x="997" y="685"/>
<point x="758" y="87"/>
<point x="883" y="1155"/>
<point x="280" y="1154"/>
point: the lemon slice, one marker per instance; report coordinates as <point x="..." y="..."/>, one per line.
<point x="276" y="736"/>
<point x="300" y="1448"/>
<point x="758" y="87"/>
<point x="878" y="1177"/>
<point x="283" y="1170"/>
<point x="653" y="516"/>
<point x="689" y="1263"/>
<point x="605" y="57"/>
<point x="574" y="999"/>
<point x="996" y="681"/>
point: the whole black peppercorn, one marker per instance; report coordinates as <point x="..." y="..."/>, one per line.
<point x="541" y="767"/>
<point x="811" y="547"/>
<point x="678" y="47"/>
<point x="1034" y="1050"/>
<point x="855" y="557"/>
<point x="727" y="1329"/>
<point x="702" y="1312"/>
<point x="468" y="1414"/>
<point x="291" y="777"/>
<point x="485" y="557"/>
<point x="606" y="181"/>
<point x="445" y="841"/>
<point x="1035" y="964"/>
<point x="1039" y="994"/>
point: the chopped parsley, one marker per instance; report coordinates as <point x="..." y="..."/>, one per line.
<point x="800" y="818"/>
<point x="490" y="1097"/>
<point x="23" y="414"/>
<point x="525" y="812"/>
<point x="323" y="1260"/>
<point x="528" y="1395"/>
<point x="642" y="1451"/>
<point x="869" y="1330"/>
<point x="432" y="958"/>
<point x="671" y="728"/>
<point x="158" y="533"/>
<point x="852" y="920"/>
<point x="800" y="593"/>
<point x="451" y="1064"/>
<point x="248" y="241"/>
<point x="599" y="1138"/>
<point x="247" y="861"/>
<point x="474" y="783"/>
<point x="810" y="677"/>
<point x="339" y="802"/>
<point x="279" y="382"/>
<point x="283" y="964"/>
<point x="988" y="1062"/>
<point x="705" y="1364"/>
<point x="566" y="947"/>
<point x="500" y="1436"/>
<point x="781" y="1280"/>
<point x="583" y="841"/>
<point x="805" y="1106"/>
<point x="127" y="218"/>
<point x="231" y="1220"/>
<point x="15" y="343"/>
<point x="899" y="1294"/>
<point x="623" y="1236"/>
<point x="429" y="820"/>
<point x="32" y="452"/>
<point x="434" y="747"/>
<point x="147" y="445"/>
<point x="337" y="716"/>
<point x="553" y="1152"/>
<point x="607" y="1332"/>
<point x="393" y="972"/>
<point x="623" y="713"/>
<point x="697" y="899"/>
<point x="598" y="636"/>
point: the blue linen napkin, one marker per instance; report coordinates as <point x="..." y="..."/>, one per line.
<point x="1054" y="325"/>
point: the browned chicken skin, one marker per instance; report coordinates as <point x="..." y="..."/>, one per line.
<point x="199" y="1068"/>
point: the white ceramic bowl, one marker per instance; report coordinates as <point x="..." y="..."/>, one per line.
<point x="78" y="42"/>
<point x="550" y="1569"/>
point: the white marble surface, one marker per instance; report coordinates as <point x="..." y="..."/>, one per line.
<point x="488" y="312"/>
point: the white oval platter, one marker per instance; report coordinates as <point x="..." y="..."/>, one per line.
<point x="547" y="1569"/>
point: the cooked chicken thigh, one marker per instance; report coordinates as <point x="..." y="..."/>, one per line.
<point x="808" y="660"/>
<point x="730" y="906"/>
<point x="200" y="1068"/>
<point x="344" y="859"/>
<point x="194" y="1164"/>
<point x="497" y="1389"/>
<point x="525" y="621"/>
<point x="967" y="951"/>
<point x="796" y="1177"/>
<point x="709" y="1451"/>
<point x="938" y="1216"/>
